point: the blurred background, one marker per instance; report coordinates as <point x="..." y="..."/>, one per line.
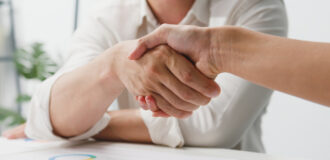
<point x="34" y="35"/>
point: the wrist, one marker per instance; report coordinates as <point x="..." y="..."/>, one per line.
<point x="107" y="73"/>
<point x="229" y="47"/>
<point x="221" y="39"/>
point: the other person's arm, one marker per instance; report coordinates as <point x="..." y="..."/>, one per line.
<point x="225" y="121"/>
<point x="296" y="67"/>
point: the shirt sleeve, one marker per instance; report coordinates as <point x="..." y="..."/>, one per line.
<point x="223" y="122"/>
<point x="88" y="42"/>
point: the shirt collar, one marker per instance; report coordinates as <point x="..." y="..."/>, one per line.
<point x="200" y="10"/>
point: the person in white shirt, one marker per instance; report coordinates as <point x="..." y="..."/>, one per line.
<point x="70" y="106"/>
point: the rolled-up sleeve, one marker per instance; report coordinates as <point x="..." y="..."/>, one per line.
<point x="88" y="42"/>
<point x="224" y="121"/>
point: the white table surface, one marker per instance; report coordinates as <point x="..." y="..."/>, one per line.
<point x="16" y="150"/>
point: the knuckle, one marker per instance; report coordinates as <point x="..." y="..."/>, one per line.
<point x="162" y="51"/>
<point x="152" y="71"/>
<point x="187" y="76"/>
<point x="187" y="96"/>
<point x="158" y="54"/>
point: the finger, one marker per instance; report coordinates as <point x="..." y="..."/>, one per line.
<point x="15" y="133"/>
<point x="175" y="100"/>
<point x="189" y="75"/>
<point x="181" y="90"/>
<point x="140" y="49"/>
<point x="142" y="103"/>
<point x="151" y="103"/>
<point x="160" y="114"/>
<point x="155" y="38"/>
<point x="168" y="108"/>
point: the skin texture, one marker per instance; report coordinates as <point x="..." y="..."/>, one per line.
<point x="296" y="67"/>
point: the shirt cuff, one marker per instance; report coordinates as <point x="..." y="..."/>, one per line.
<point x="163" y="131"/>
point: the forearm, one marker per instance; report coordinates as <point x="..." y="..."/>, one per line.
<point x="295" y="67"/>
<point x="125" y="125"/>
<point x="82" y="96"/>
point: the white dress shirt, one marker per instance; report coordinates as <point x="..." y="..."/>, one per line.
<point x="232" y="120"/>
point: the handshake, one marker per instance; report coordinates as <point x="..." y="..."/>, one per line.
<point x="172" y="70"/>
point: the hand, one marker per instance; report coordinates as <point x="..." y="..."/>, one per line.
<point x="197" y="43"/>
<point x="177" y="86"/>
<point x="15" y="133"/>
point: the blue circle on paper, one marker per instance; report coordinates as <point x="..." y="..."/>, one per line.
<point x="89" y="156"/>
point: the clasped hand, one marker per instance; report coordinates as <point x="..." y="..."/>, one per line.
<point x="196" y="43"/>
<point x="165" y="81"/>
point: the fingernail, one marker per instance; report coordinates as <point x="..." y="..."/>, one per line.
<point x="151" y="103"/>
<point x="142" y="104"/>
<point x="145" y="102"/>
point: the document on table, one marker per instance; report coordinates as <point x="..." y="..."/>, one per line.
<point x="103" y="151"/>
<point x="25" y="145"/>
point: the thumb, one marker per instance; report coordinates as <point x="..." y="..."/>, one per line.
<point x="152" y="40"/>
<point x="138" y="51"/>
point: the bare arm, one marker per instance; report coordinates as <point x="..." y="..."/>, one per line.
<point x="82" y="96"/>
<point x="125" y="125"/>
<point x="296" y="67"/>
